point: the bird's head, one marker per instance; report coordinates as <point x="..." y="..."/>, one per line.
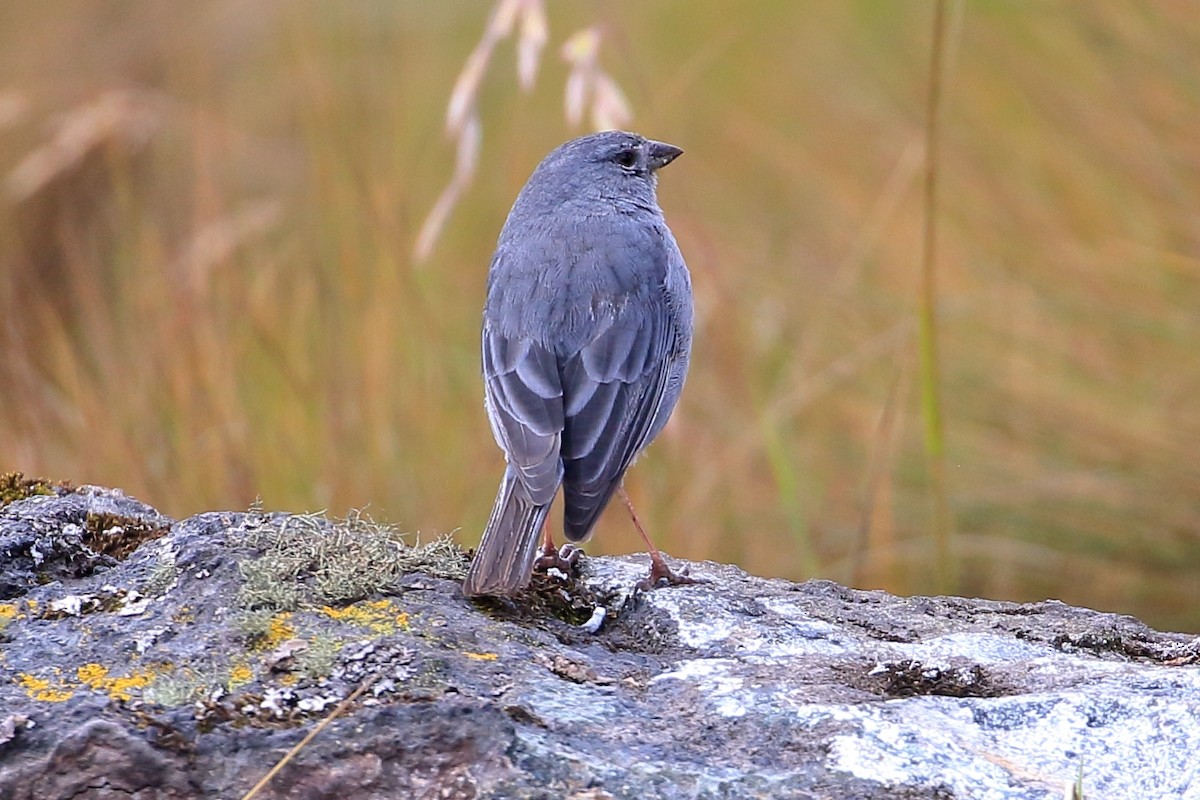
<point x="608" y="164"/>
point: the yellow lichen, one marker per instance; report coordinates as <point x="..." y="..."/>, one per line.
<point x="379" y="616"/>
<point x="240" y="675"/>
<point x="9" y="611"/>
<point x="278" y="631"/>
<point x="32" y="683"/>
<point x="41" y="689"/>
<point x="482" y="656"/>
<point x="121" y="688"/>
<point x="92" y="675"/>
<point x="95" y="676"/>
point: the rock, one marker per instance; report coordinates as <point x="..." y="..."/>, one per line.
<point x="191" y="656"/>
<point x="61" y="537"/>
<point x="100" y="759"/>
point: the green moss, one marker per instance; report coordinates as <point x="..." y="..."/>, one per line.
<point x="15" y="486"/>
<point x="318" y="659"/>
<point x="254" y="625"/>
<point x="117" y="536"/>
<point x="572" y="602"/>
<point x="174" y="690"/>
<point x="162" y="575"/>
<point x="310" y="561"/>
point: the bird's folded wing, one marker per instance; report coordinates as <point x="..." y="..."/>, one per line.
<point x="614" y="387"/>
<point x="524" y="400"/>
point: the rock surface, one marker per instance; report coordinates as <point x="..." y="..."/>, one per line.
<point x="184" y="659"/>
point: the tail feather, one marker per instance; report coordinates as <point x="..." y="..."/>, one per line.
<point x="503" y="562"/>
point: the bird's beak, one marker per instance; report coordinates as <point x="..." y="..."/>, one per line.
<point x="660" y="154"/>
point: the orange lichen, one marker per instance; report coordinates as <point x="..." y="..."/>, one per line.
<point x="95" y="676"/>
<point x="92" y="675"/>
<point x="278" y="631"/>
<point x="42" y="689"/>
<point x="380" y="616"/>
<point x="240" y="675"/>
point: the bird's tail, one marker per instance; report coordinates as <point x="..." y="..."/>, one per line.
<point x="503" y="562"/>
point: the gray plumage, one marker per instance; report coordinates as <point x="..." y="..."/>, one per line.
<point x="587" y="331"/>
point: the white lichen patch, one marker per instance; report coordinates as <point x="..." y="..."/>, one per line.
<point x="133" y="604"/>
<point x="975" y="746"/>
<point x="71" y="605"/>
<point x="985" y="648"/>
<point x="714" y="679"/>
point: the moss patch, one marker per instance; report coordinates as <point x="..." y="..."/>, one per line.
<point x="118" y="536"/>
<point x="309" y="561"/>
<point x="176" y="689"/>
<point x="15" y="486"/>
<point x="317" y="660"/>
<point x="548" y="597"/>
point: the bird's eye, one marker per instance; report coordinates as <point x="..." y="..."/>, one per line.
<point x="627" y="158"/>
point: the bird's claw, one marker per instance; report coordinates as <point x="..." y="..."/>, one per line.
<point x="661" y="575"/>
<point x="565" y="559"/>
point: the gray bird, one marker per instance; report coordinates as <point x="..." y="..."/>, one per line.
<point x="587" y="332"/>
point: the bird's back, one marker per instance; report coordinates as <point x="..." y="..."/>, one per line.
<point x="606" y="294"/>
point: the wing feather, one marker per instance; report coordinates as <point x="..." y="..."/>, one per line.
<point x="624" y="373"/>
<point x="524" y="401"/>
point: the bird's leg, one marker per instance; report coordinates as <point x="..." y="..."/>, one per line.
<point x="563" y="559"/>
<point x="659" y="570"/>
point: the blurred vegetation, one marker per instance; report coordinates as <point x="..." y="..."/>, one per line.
<point x="207" y="289"/>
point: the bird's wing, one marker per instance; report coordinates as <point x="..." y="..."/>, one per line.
<point x="524" y="400"/>
<point x="614" y="387"/>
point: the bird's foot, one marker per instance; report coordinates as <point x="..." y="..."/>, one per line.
<point x="565" y="559"/>
<point x="661" y="575"/>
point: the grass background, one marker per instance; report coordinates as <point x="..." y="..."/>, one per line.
<point x="208" y="294"/>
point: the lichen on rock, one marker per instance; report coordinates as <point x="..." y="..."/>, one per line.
<point x="260" y="625"/>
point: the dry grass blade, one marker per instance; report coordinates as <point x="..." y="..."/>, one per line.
<point x="337" y="712"/>
<point x="580" y="52"/>
<point x="216" y="242"/>
<point x="882" y="443"/>
<point x="927" y="328"/>
<point x="461" y="107"/>
<point x="464" y="169"/>
<point x="532" y="40"/>
<point x="124" y="118"/>
<point x="609" y="110"/>
<point x="462" y="111"/>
